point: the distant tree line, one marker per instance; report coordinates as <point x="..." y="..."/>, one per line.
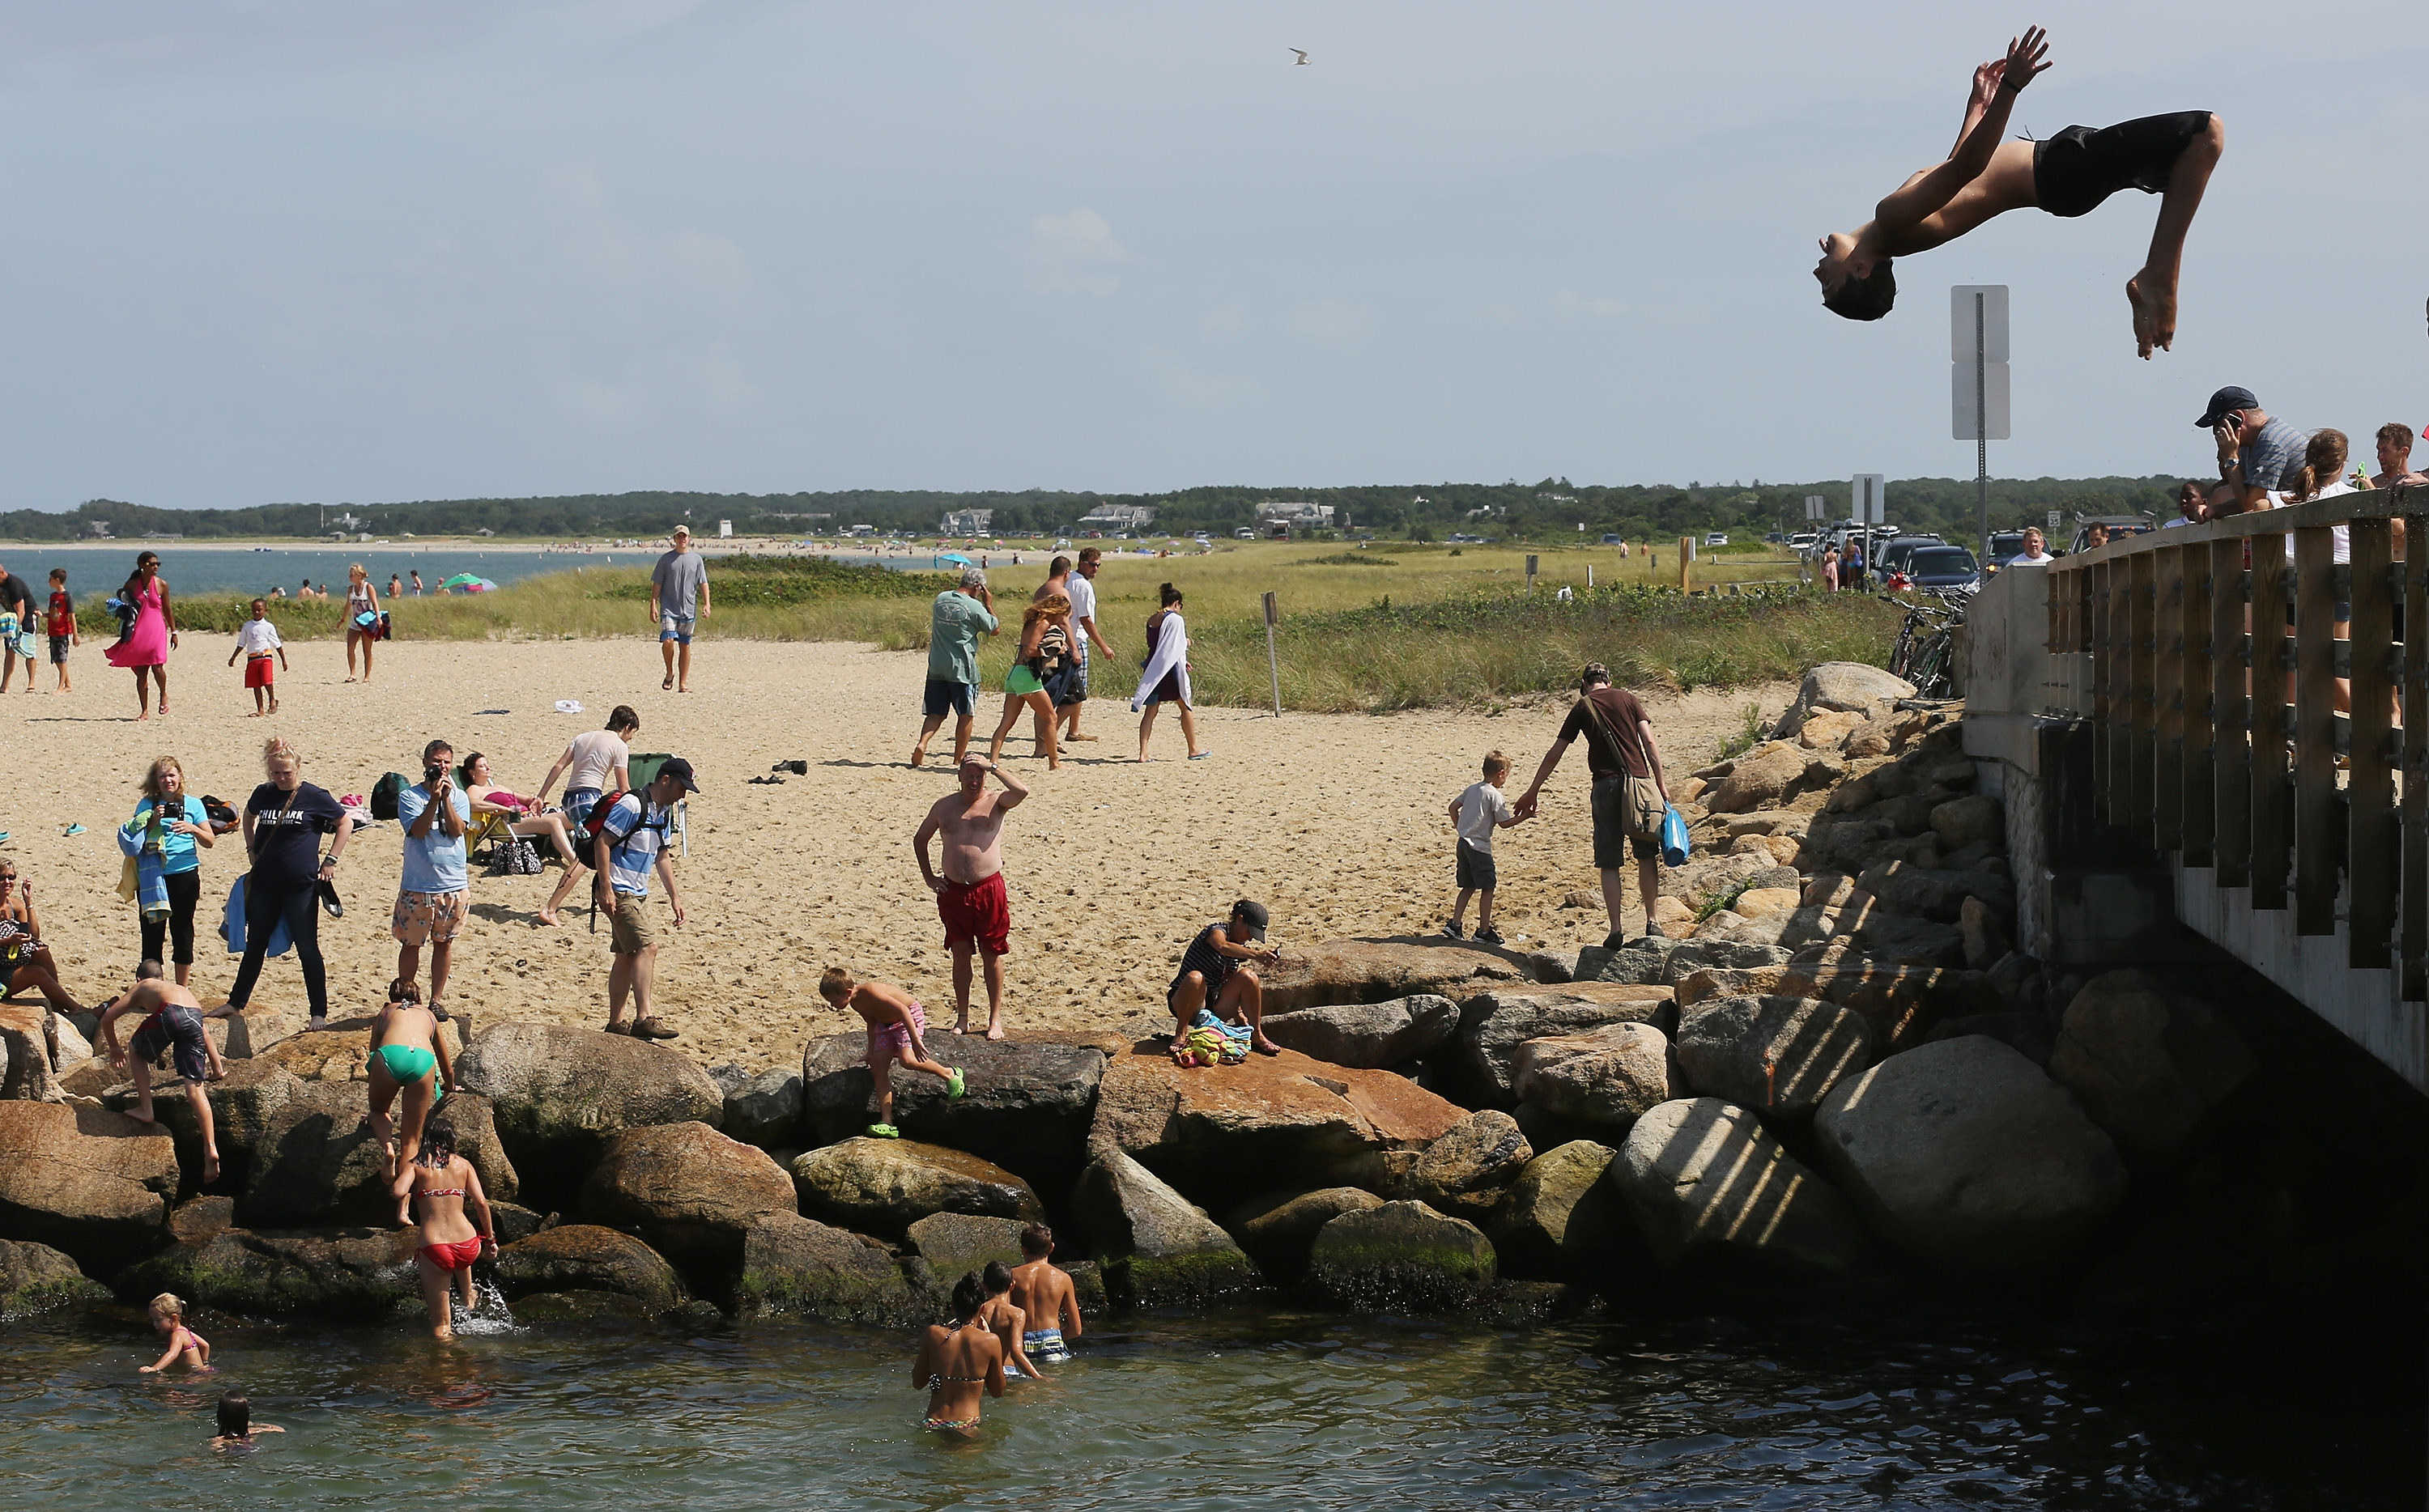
<point x="1551" y="510"/>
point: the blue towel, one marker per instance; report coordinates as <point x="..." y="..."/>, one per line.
<point x="1238" y="1034"/>
<point x="150" y="883"/>
<point x="232" y="926"/>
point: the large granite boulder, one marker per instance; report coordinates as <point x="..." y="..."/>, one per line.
<point x="83" y="1179"/>
<point x="884" y="1186"/>
<point x="1563" y="1220"/>
<point x="1155" y="1246"/>
<point x="318" y="1160"/>
<point x="36" y="1278"/>
<point x="1973" y="819"/>
<point x="1466" y="1172"/>
<point x="1223" y="1131"/>
<point x="1891" y="998"/>
<point x="1277" y="1227"/>
<point x="242" y="1108"/>
<point x="1964" y="1153"/>
<point x="794" y="1265"/>
<point x="766" y="1109"/>
<point x="1494" y="1024"/>
<point x="1607" y="1075"/>
<point x="2146" y="1064"/>
<point x="1402" y="1256"/>
<point x="954" y="1244"/>
<point x="1775" y="1055"/>
<point x="1848" y="687"/>
<point x="1375" y="971"/>
<point x="26" y="1053"/>
<point x="1371" y="1036"/>
<point x="1763" y="778"/>
<point x="562" y="1093"/>
<point x="348" y="1273"/>
<point x="1937" y="895"/>
<point x="1025" y="1104"/>
<point x="686" y="1188"/>
<point x="1702" y="1176"/>
<point x="579" y="1260"/>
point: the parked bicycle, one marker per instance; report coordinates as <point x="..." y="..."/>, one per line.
<point x="1924" y="652"/>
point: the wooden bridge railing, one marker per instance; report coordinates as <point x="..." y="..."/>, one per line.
<point x="2179" y="647"/>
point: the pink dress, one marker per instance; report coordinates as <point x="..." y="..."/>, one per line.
<point x="149" y="644"/>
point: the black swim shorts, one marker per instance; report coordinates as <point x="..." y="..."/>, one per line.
<point x="179" y="1030"/>
<point x="2075" y="170"/>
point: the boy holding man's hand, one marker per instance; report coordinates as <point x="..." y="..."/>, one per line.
<point x="1479" y="812"/>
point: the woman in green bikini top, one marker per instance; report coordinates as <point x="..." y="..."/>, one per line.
<point x="409" y="1055"/>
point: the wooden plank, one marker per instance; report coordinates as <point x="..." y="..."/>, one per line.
<point x="2168" y="692"/>
<point x="2230" y="679"/>
<point x="2194" y="762"/>
<point x="2120" y="612"/>
<point x="2415" y="941"/>
<point x="2141" y="608"/>
<point x="2316" y="837"/>
<point x="2273" y="798"/>
<point x="2097" y="608"/>
<point x="2370" y="849"/>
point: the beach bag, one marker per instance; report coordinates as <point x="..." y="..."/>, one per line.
<point x="514" y="856"/>
<point x="384" y="795"/>
<point x="223" y="817"/>
<point x="386" y="627"/>
<point x="1674" y="837"/>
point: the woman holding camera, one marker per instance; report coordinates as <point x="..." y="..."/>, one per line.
<point x="166" y="838"/>
<point x="282" y="823"/>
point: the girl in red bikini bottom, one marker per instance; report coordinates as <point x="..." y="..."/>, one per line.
<point x="456" y="1229"/>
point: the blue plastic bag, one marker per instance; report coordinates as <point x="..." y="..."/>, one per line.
<point x="1674" y="838"/>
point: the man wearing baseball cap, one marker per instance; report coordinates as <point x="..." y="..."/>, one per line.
<point x="632" y="844"/>
<point x="2258" y="455"/>
<point x="1218" y="990"/>
<point x="678" y="600"/>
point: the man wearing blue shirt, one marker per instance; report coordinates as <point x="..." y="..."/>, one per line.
<point x="432" y="895"/>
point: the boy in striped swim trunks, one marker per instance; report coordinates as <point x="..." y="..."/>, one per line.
<point x="1044" y="1294"/>
<point x="897" y="1031"/>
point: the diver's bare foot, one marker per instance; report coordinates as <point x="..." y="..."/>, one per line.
<point x="2154" y="313"/>
<point x="211" y="1166"/>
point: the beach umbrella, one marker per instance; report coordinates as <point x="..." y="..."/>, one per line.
<point x="464" y="579"/>
<point x="955" y="557"/>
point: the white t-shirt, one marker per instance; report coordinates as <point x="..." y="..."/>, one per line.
<point x="1082" y="595"/>
<point x="2020" y="560"/>
<point x="259" y="637"/>
<point x="2343" y="534"/>
<point x="593" y="758"/>
<point x="1482" y="809"/>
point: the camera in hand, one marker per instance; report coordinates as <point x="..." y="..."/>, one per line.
<point x="432" y="774"/>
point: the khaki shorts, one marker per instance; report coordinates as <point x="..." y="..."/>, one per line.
<point x="632" y="932"/>
<point x="1627" y="816"/>
<point x="428" y="918"/>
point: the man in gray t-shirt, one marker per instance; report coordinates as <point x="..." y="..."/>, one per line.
<point x="2257" y="453"/>
<point x="678" y="599"/>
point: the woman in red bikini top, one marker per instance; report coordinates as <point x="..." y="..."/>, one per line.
<point x="456" y="1229"/>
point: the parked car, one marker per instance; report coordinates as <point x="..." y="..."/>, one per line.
<point x="1615" y="540"/>
<point x="1944" y="567"/>
<point x="1463" y="538"/>
<point x="1891" y="556"/>
<point x="2005" y="546"/>
<point x="1716" y="538"/>
<point x="1244" y="533"/>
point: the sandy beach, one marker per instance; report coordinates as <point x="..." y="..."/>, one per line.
<point x="1335" y="821"/>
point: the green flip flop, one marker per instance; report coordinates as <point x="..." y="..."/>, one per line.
<point x="883" y="1131"/>
<point x="955" y="1087"/>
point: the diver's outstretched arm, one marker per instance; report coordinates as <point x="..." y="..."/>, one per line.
<point x="1995" y="87"/>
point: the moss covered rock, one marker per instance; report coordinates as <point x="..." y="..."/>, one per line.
<point x="1402" y="1256"/>
<point x="798" y="1266"/>
<point x="1155" y="1246"/>
<point x="342" y="1274"/>
<point x="584" y="1257"/>
<point x="36" y="1278"/>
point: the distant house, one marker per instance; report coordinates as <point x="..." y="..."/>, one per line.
<point x="1118" y="517"/>
<point x="967" y="522"/>
<point x="485" y="531"/>
<point x="1296" y="514"/>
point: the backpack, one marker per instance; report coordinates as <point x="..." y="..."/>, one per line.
<point x="514" y="856"/>
<point x="384" y="795"/>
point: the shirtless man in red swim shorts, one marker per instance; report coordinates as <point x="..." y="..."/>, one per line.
<point x="969" y="895"/>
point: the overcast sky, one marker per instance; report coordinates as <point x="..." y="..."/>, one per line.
<point x="308" y="250"/>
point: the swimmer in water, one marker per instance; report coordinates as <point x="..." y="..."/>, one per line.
<point x="898" y="1028"/>
<point x="960" y="1365"/>
<point x="1045" y="1294"/>
<point x="409" y="1055"/>
<point x="2067" y="174"/>
<point x="1006" y="1321"/>
<point x="237" y="1427"/>
<point x="193" y="1349"/>
<point x="457" y="1227"/>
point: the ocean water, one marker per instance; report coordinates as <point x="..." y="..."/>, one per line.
<point x="95" y="572"/>
<point x="1249" y="1409"/>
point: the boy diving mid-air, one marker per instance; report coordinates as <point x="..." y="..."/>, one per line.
<point x="2066" y="175"/>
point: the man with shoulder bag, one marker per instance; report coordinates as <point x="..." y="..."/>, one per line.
<point x="1630" y="794"/>
<point x="434" y="894"/>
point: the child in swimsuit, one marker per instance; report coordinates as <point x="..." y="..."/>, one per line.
<point x="456" y="1228"/>
<point x="409" y="1055"/>
<point x="898" y="1027"/>
<point x="237" y="1427"/>
<point x="1009" y="1325"/>
<point x="169" y="1317"/>
<point x="1046" y="1295"/>
<point x="959" y="1366"/>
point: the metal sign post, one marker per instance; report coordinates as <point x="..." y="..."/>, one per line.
<point x="1273" y="665"/>
<point x="1978" y="352"/>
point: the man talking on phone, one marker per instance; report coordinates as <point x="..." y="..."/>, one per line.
<point x="2259" y="455"/>
<point x="432" y="894"/>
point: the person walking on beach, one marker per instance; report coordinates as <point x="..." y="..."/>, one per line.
<point x="1476" y="813"/>
<point x="959" y="1366"/>
<point x="959" y="616"/>
<point x="172" y="1020"/>
<point x="61" y="625"/>
<point x="632" y="844"/>
<point x="970" y="896"/>
<point x="897" y="1032"/>
<point x="166" y="837"/>
<point x="678" y="601"/>
<point x="2067" y="174"/>
<point x="1045" y="648"/>
<point x="1086" y="640"/>
<point x="1165" y="679"/>
<point x="283" y="821"/>
<point x="433" y="893"/>
<point x="1047" y="1295"/>
<point x="256" y="641"/>
<point x="1629" y="793"/>
<point x="362" y="620"/>
<point x="457" y="1227"/>
<point x="147" y="646"/>
<point x="594" y="764"/>
<point x="16" y="619"/>
<point x="1218" y="987"/>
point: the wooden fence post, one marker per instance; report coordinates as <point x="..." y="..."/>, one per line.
<point x="2371" y="850"/>
<point x="2273" y="798"/>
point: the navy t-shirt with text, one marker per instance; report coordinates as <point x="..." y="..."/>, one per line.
<point x="287" y="829"/>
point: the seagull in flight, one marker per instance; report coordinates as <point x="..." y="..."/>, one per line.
<point x="1302" y="56"/>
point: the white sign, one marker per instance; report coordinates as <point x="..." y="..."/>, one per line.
<point x="1814" y="505"/>
<point x="1978" y="358"/>
<point x="2053" y="524"/>
<point x="725" y="529"/>
<point x="1869" y="505"/>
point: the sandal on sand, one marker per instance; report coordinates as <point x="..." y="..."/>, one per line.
<point x="954" y="1085"/>
<point x="649" y="1028"/>
<point x="1200" y="756"/>
<point x="883" y="1131"/>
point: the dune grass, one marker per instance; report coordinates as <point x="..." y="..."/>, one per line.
<point x="1417" y="626"/>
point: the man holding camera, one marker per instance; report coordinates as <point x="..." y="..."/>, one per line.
<point x="432" y="897"/>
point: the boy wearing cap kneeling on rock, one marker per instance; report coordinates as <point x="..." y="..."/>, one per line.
<point x="630" y="844"/>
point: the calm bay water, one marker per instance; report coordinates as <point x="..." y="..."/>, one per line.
<point x="98" y="571"/>
<point x="1251" y="1409"/>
